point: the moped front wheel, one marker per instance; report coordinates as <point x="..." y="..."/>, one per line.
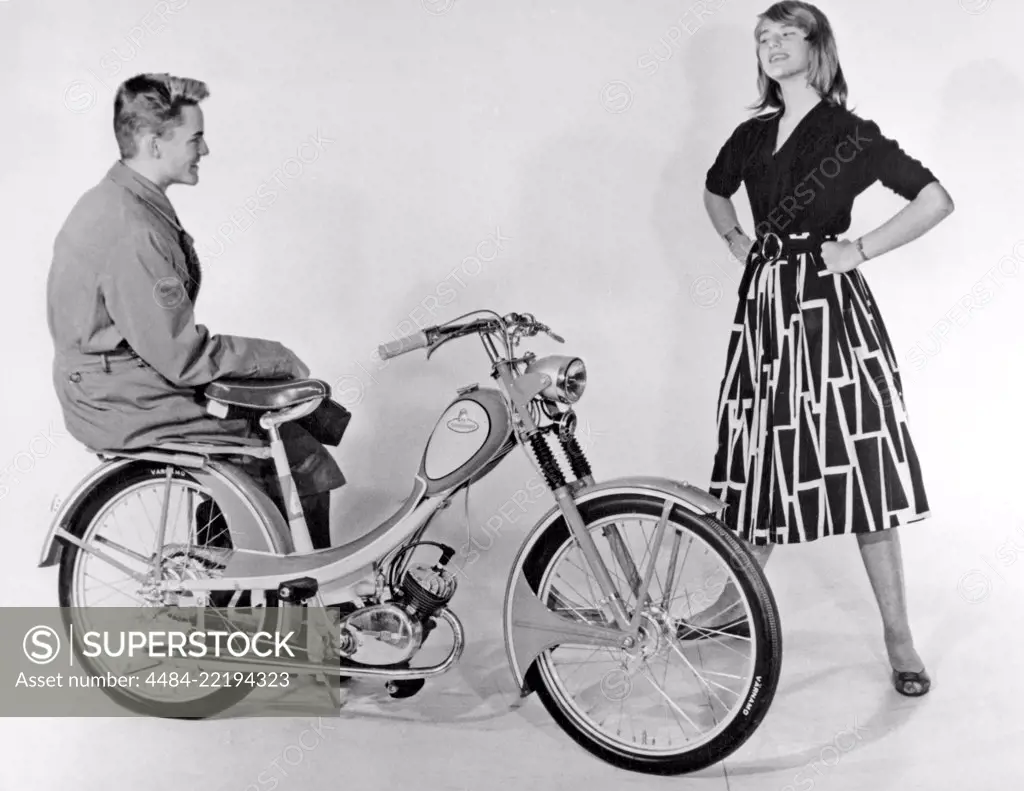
<point x="683" y="697"/>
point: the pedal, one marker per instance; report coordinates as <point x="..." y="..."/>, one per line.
<point x="404" y="688"/>
<point x="298" y="590"/>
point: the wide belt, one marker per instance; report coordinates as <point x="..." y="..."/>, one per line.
<point x="772" y="247"/>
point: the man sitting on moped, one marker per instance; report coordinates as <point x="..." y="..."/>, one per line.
<point x="130" y="361"/>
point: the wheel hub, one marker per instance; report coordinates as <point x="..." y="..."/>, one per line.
<point x="666" y="627"/>
<point x="178" y="565"/>
<point x="644" y="645"/>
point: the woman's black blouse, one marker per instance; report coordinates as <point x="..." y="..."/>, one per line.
<point x="810" y="183"/>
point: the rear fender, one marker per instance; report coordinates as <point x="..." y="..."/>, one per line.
<point x="254" y="520"/>
<point x="527" y="622"/>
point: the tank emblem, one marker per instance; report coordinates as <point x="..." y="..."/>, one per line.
<point x="463" y="423"/>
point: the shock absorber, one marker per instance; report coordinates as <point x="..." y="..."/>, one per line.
<point x="574" y="453"/>
<point x="547" y="461"/>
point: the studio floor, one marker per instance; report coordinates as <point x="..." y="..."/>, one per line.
<point x="835" y="724"/>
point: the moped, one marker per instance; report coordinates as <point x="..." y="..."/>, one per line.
<point x="599" y="616"/>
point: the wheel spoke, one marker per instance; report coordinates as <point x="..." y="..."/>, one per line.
<point x="668" y="700"/>
<point x="698" y="675"/>
<point x="118" y="590"/>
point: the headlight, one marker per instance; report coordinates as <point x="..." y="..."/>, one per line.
<point x="574" y="381"/>
<point x="568" y="377"/>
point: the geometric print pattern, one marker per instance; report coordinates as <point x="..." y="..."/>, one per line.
<point x="813" y="434"/>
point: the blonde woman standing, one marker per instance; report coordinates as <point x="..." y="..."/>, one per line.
<point x="813" y="434"/>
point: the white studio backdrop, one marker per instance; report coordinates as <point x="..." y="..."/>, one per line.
<point x="375" y="166"/>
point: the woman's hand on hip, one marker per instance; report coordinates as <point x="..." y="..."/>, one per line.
<point x="841" y="257"/>
<point x="740" y="248"/>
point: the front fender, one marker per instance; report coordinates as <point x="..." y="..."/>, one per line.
<point x="255" y="522"/>
<point x="522" y="604"/>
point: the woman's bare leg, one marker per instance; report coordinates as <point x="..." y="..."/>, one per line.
<point x="883" y="562"/>
<point x="724" y="609"/>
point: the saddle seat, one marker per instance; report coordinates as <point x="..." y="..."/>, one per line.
<point x="266" y="394"/>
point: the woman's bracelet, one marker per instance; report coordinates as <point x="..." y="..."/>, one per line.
<point x="730" y="232"/>
<point x="860" y="249"/>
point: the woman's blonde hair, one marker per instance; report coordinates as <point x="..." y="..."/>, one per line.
<point x="824" y="72"/>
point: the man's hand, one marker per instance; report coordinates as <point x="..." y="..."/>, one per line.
<point x="301" y="369"/>
<point x="298" y="369"/>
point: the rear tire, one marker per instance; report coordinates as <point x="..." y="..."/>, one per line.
<point x="765" y="632"/>
<point x="81" y="525"/>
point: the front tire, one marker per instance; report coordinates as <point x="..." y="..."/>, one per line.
<point x="752" y="698"/>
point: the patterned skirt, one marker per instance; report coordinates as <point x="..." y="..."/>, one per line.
<point x="813" y="436"/>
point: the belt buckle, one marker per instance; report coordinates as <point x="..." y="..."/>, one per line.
<point x="764" y="246"/>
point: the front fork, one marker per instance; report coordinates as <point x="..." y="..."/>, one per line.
<point x="612" y="598"/>
<point x="564" y="493"/>
<point x="540" y="619"/>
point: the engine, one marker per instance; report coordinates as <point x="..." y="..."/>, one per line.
<point x="425" y="590"/>
<point x="392" y="632"/>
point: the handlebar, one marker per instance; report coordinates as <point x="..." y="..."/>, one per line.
<point x="407" y="343"/>
<point x="513" y="325"/>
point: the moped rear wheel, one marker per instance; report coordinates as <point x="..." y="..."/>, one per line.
<point x="120" y="518"/>
<point x="672" y="704"/>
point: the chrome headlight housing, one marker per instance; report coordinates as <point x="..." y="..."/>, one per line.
<point x="567" y="377"/>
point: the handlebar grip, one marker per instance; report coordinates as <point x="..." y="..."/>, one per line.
<point x="407" y="343"/>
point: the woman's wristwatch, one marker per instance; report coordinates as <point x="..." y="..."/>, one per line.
<point x="728" y="234"/>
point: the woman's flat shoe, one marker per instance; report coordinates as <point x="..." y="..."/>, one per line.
<point x="904" y="682"/>
<point x="737" y="628"/>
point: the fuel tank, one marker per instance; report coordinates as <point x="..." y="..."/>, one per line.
<point x="472" y="432"/>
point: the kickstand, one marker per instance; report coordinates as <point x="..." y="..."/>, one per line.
<point x="322" y="651"/>
<point x="332" y="693"/>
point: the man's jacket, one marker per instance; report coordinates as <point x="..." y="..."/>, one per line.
<point x="130" y="362"/>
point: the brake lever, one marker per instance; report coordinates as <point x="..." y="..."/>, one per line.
<point x="546" y="329"/>
<point x="438" y="340"/>
<point x="438" y="344"/>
